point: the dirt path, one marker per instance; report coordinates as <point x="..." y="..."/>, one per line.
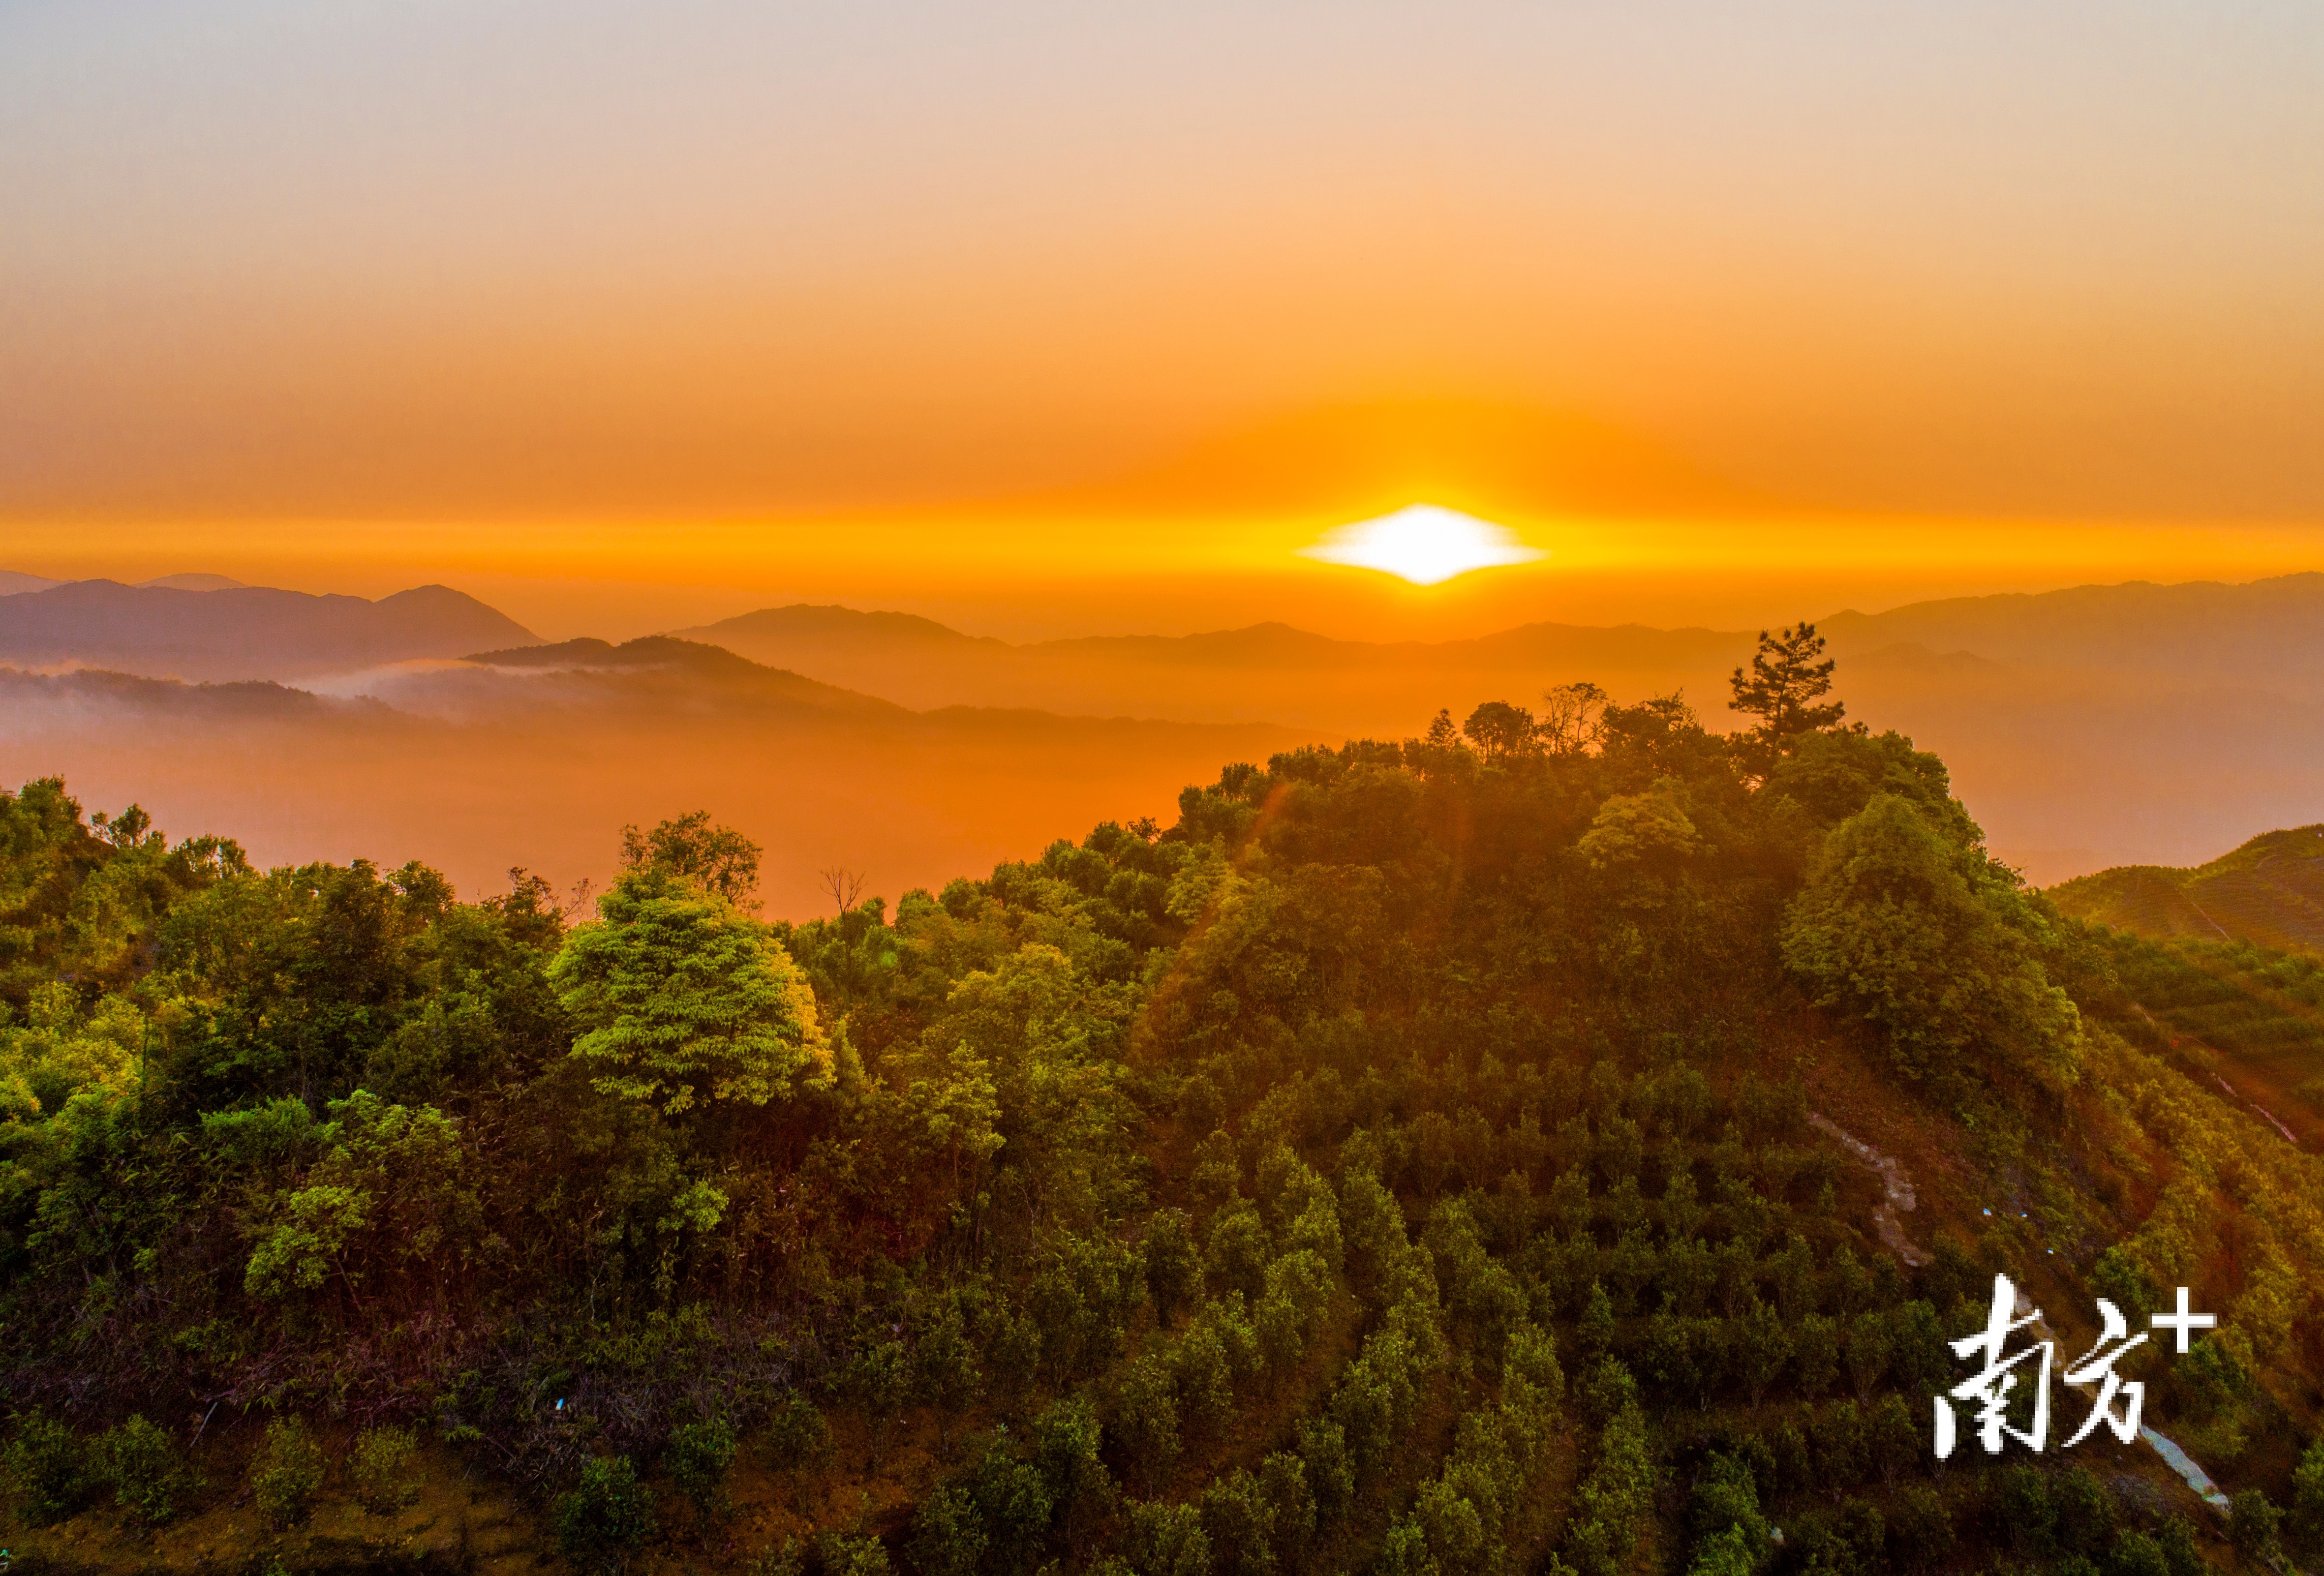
<point x="1896" y="1187"/>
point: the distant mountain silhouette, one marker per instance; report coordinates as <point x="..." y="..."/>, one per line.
<point x="242" y="631"/>
<point x="2270" y="890"/>
<point x="94" y="689"/>
<point x="195" y="583"/>
<point x="2192" y="712"/>
<point x="680" y="680"/>
<point x="13" y="583"/>
<point x="829" y="625"/>
<point x="2268" y="632"/>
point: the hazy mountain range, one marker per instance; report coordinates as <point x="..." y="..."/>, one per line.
<point x="226" y="631"/>
<point x="2099" y="726"/>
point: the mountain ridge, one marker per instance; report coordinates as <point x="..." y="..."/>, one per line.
<point x="244" y="632"/>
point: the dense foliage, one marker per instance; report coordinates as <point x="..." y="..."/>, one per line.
<point x="1399" y="1162"/>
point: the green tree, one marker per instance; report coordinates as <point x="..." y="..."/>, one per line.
<point x="605" y="1516"/>
<point x="948" y="1535"/>
<point x="381" y="1457"/>
<point x="945" y="1373"/>
<point x="1761" y="1348"/>
<point x="682" y="999"/>
<point x="1501" y="731"/>
<point x="697" y="1458"/>
<point x="1330" y="1471"/>
<point x="1917" y="935"/>
<point x="148" y="1473"/>
<point x="1239" y="1519"/>
<point x="49" y="1466"/>
<point x="2253" y="1524"/>
<point x="718" y="859"/>
<point x="1785" y="690"/>
<point x="1174" y="1268"/>
<point x="2307" y="1517"/>
<point x="1142" y="1418"/>
<point x="799" y="1442"/>
<point x="287" y="1473"/>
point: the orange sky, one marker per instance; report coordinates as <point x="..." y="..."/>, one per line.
<point x="1050" y="317"/>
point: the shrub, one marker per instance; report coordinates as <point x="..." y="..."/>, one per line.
<point x="2252" y="1523"/>
<point x="143" y="1464"/>
<point x="287" y="1473"/>
<point x="606" y="1516"/>
<point x="2308" y="1500"/>
<point x="1923" y="1526"/>
<point x="2137" y="1554"/>
<point x="696" y="1459"/>
<point x="783" y="1559"/>
<point x="798" y="1440"/>
<point x="948" y="1535"/>
<point x="844" y="1555"/>
<point x="380" y="1458"/>
<point x="48" y="1468"/>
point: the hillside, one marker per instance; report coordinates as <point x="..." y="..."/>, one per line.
<point x="240" y="632"/>
<point x="2270" y="890"/>
<point x="1414" y="1157"/>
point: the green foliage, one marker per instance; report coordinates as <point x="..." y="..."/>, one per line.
<point x="1174" y="1269"/>
<point x="948" y="1535"/>
<point x="148" y="1472"/>
<point x="718" y="859"/>
<point x="1907" y="926"/>
<point x="47" y="1467"/>
<point x="846" y="1554"/>
<point x="1338" y="1111"/>
<point x="2306" y="1519"/>
<point x="605" y="1517"/>
<point x="1168" y="1540"/>
<point x="697" y="1458"/>
<point x="379" y="1466"/>
<point x="683" y="999"/>
<point x="1330" y="1470"/>
<point x="287" y="1473"/>
<point x="2254" y="1524"/>
<point x="1614" y="1498"/>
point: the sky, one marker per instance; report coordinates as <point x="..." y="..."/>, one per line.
<point x="1055" y="318"/>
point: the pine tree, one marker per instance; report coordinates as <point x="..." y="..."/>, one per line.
<point x="1783" y="689"/>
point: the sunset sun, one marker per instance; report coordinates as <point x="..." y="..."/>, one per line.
<point x="1425" y="544"/>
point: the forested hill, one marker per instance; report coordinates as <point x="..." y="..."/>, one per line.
<point x="1416" y="1158"/>
<point x="2270" y="890"/>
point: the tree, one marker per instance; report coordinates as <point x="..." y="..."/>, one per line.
<point x="1142" y="1419"/>
<point x="683" y="999"/>
<point x="2252" y="1525"/>
<point x="696" y="1459"/>
<point x="1784" y="687"/>
<point x="2308" y="1500"/>
<point x="1924" y="940"/>
<point x="1764" y="1347"/>
<point x="843" y="886"/>
<point x="1571" y="720"/>
<point x="944" y="1374"/>
<point x="606" y="1516"/>
<point x="1503" y="732"/>
<point x="948" y="1535"/>
<point x="1173" y="1268"/>
<point x="718" y="859"/>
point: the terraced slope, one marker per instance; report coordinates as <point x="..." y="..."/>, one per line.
<point x="2270" y="890"/>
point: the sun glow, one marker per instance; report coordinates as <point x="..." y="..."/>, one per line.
<point x="1425" y="544"/>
